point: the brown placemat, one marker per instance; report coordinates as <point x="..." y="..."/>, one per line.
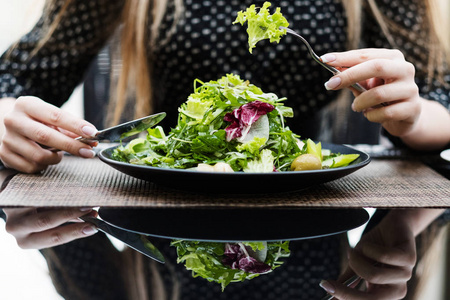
<point x="82" y="182"/>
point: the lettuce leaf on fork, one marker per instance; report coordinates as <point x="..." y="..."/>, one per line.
<point x="262" y="25"/>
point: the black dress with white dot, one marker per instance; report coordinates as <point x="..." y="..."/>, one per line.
<point x="205" y="46"/>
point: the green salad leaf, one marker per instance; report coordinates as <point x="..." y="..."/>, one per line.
<point x="262" y="25"/>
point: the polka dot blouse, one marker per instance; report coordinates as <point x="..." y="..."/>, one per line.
<point x="206" y="46"/>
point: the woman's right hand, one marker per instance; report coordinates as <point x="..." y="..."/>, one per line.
<point x="33" y="123"/>
<point x="39" y="228"/>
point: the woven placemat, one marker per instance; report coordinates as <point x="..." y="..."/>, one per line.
<point x="81" y="182"/>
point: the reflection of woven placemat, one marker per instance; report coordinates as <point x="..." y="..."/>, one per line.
<point x="82" y="182"/>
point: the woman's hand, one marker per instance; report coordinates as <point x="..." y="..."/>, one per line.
<point x="38" y="228"/>
<point x="33" y="123"/>
<point x="392" y="97"/>
<point x="384" y="259"/>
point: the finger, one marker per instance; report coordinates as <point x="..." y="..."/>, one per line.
<point x="57" y="236"/>
<point x="378" y="292"/>
<point x="400" y="256"/>
<point x="45" y="135"/>
<point x="400" y="111"/>
<point x="388" y="291"/>
<point x="66" y="132"/>
<point x="354" y="57"/>
<point x="381" y="68"/>
<point x="49" y="114"/>
<point x="93" y="214"/>
<point x="30" y="151"/>
<point x="90" y="212"/>
<point x="91" y="143"/>
<point x="349" y="278"/>
<point x="43" y="221"/>
<point x="384" y="94"/>
<point x="18" y="212"/>
<point x="375" y="273"/>
<point x="14" y="161"/>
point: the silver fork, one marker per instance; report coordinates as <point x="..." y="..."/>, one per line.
<point x="332" y="69"/>
<point x="347" y="283"/>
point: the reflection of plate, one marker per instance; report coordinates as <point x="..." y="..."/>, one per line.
<point x="446" y="155"/>
<point x="238" y="182"/>
<point x="236" y="224"/>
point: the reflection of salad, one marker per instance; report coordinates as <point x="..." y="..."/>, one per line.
<point x="228" y="125"/>
<point x="230" y="262"/>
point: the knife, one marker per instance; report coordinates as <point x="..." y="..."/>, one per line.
<point x="124" y="130"/>
<point x="136" y="241"/>
<point x="121" y="131"/>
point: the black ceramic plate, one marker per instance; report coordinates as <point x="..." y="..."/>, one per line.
<point x="229" y="225"/>
<point x="239" y="182"/>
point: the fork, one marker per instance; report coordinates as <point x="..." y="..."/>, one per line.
<point x="347" y="283"/>
<point x="332" y="69"/>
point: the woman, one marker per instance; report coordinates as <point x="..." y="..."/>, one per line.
<point x="179" y="41"/>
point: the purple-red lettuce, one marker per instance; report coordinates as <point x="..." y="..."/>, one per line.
<point x="237" y="257"/>
<point x="243" y="117"/>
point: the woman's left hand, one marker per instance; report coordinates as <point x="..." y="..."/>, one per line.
<point x="392" y="97"/>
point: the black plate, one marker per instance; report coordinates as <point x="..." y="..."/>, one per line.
<point x="229" y="225"/>
<point x="238" y="182"/>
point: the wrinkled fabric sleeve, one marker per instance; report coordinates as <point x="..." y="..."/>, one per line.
<point x="58" y="67"/>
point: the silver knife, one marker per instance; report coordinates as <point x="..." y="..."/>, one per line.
<point x="124" y="130"/>
<point x="121" y="131"/>
<point x="136" y="241"/>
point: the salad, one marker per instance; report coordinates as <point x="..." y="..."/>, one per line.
<point x="224" y="263"/>
<point x="230" y="125"/>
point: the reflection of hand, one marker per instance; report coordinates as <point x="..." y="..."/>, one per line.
<point x="388" y="78"/>
<point x="33" y="122"/>
<point x="384" y="258"/>
<point x="38" y="228"/>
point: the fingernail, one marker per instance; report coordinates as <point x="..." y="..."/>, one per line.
<point x="328" y="287"/>
<point x="333" y="83"/>
<point x="85" y="209"/>
<point x="89" y="230"/>
<point x="353" y="107"/>
<point x="87" y="153"/>
<point x="328" y="58"/>
<point x="89" y="130"/>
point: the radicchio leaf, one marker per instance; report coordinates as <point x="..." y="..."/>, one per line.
<point x="238" y="258"/>
<point x="243" y="117"/>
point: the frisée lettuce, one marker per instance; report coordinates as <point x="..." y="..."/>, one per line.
<point x="262" y="25"/>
